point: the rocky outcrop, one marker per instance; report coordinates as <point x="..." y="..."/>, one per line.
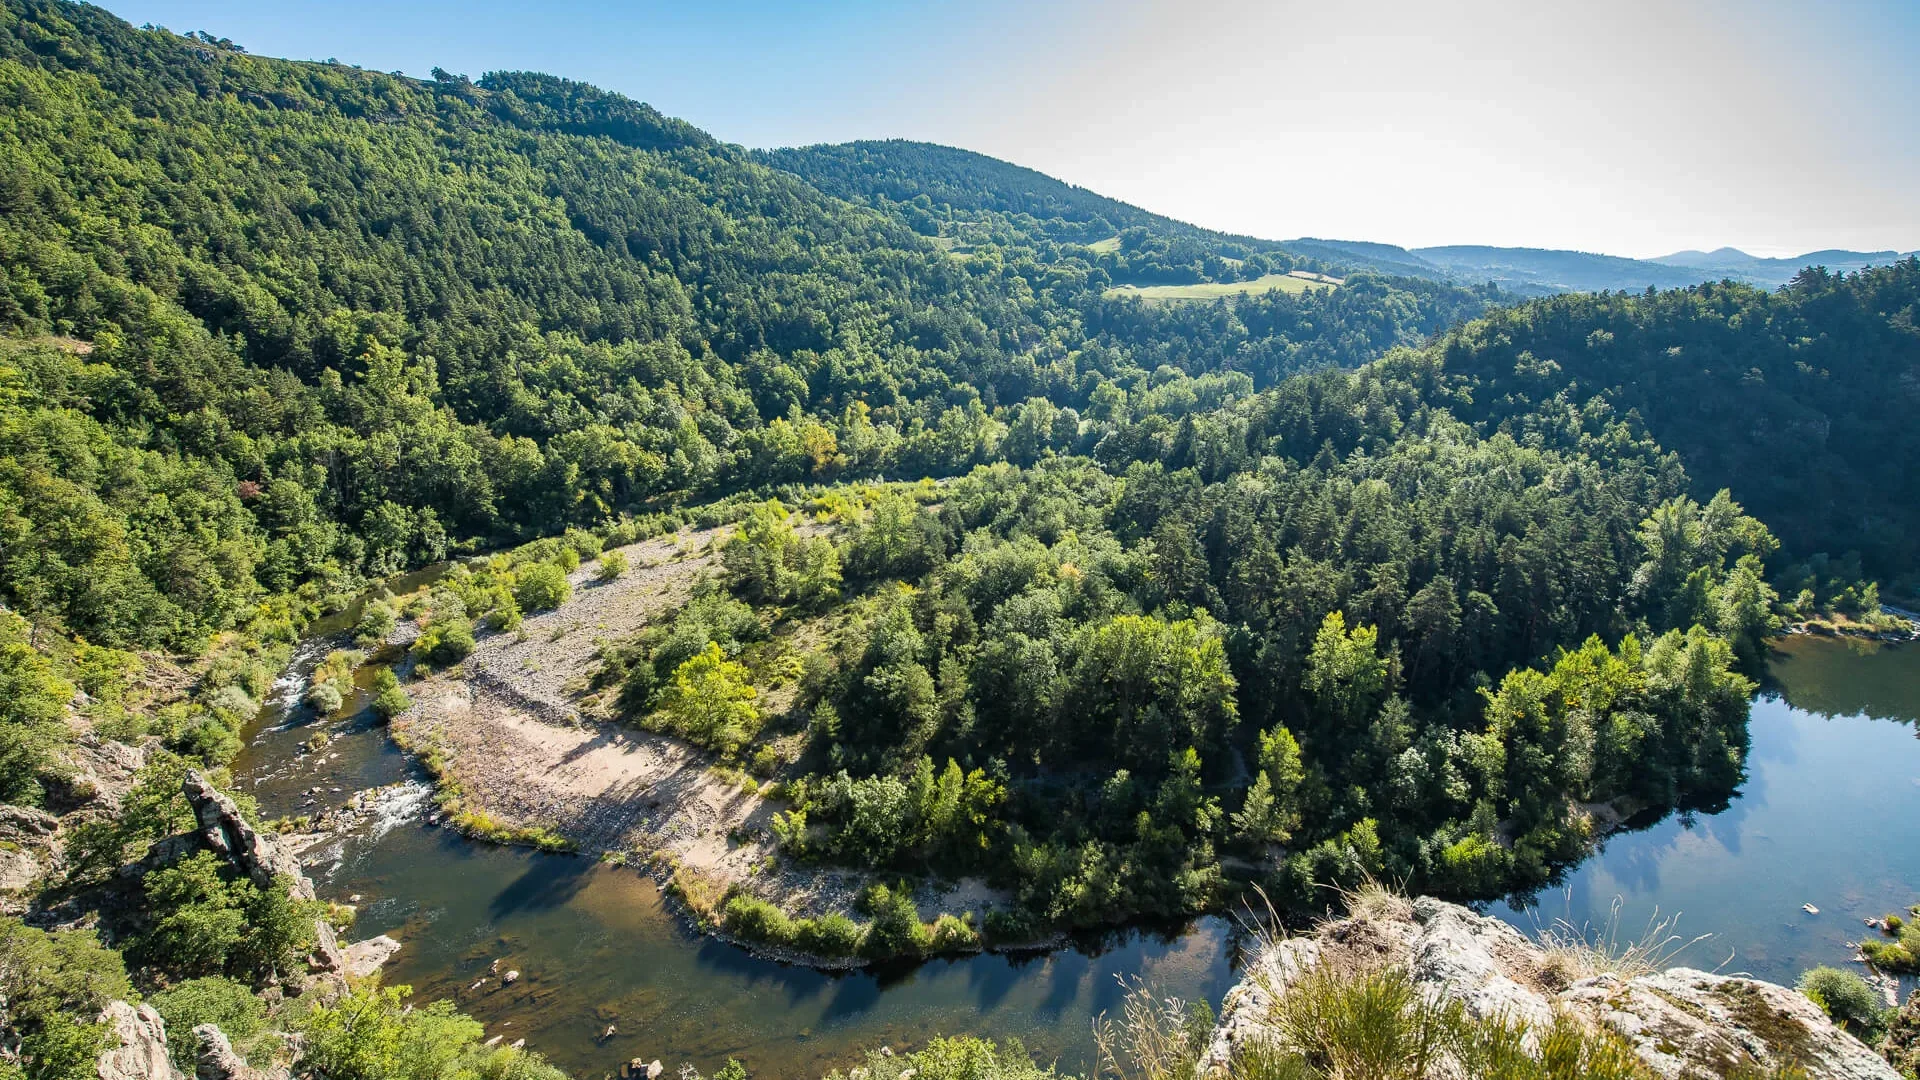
<point x="29" y="845"/>
<point x="218" y="1061"/>
<point x="137" y="1045"/>
<point x="1681" y="1022"/>
<point x="226" y="832"/>
<point x="363" y="958"/>
<point x="327" y="956"/>
<point x="1686" y="1022"/>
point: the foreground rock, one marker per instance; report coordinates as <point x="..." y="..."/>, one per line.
<point x="1681" y="1022"/>
<point x="363" y="958"/>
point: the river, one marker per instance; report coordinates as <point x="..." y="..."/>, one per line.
<point x="1826" y="817"/>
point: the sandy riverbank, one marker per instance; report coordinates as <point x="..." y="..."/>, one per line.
<point x="527" y="748"/>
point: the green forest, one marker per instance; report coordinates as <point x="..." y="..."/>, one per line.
<point x="1127" y="607"/>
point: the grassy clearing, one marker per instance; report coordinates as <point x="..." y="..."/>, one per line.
<point x="1105" y="247"/>
<point x="1282" y="282"/>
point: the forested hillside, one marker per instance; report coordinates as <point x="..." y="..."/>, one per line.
<point x="1177" y="598"/>
<point x="1802" y="400"/>
<point x="282" y="322"/>
<point x="921" y="177"/>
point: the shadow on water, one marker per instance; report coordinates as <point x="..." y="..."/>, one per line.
<point x="550" y="881"/>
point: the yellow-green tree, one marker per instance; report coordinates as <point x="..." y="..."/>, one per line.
<point x="710" y="701"/>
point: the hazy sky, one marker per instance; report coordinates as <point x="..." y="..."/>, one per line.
<point x="1629" y="127"/>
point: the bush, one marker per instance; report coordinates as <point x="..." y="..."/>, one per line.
<point x="584" y="543"/>
<point x="391" y="702"/>
<point x="325" y="698"/>
<point x="542" y="587"/>
<point x="755" y="919"/>
<point x="373" y="1035"/>
<point x="896" y="929"/>
<point x="1845" y="996"/>
<point x="212" y="1000"/>
<point x="377" y="620"/>
<point x="209" y="921"/>
<point x="952" y="933"/>
<point x="965" y="1058"/>
<point x="613" y="564"/>
<point x="832" y="935"/>
<point x="445" y="641"/>
<point x="52" y="986"/>
<point x="506" y="615"/>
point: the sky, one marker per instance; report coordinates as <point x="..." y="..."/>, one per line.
<point x="1631" y="127"/>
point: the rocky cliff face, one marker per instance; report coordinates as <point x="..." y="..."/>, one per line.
<point x="138" y="1043"/>
<point x="1682" y="1022"/>
<point x="226" y="832"/>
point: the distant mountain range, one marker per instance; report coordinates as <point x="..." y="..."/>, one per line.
<point x="926" y="183"/>
<point x="1542" y="271"/>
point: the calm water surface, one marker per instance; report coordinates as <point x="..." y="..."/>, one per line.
<point x="597" y="945"/>
<point x="1827" y="816"/>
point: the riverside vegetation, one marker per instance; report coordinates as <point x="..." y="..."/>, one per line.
<point x="1280" y="589"/>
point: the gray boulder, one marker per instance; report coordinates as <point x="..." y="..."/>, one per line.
<point x="219" y="1061"/>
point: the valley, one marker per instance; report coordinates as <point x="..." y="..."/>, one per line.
<point x="872" y="610"/>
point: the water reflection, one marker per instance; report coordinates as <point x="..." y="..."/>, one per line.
<point x="597" y="945"/>
<point x="1823" y="818"/>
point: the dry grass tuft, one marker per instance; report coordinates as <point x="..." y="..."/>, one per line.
<point x="1377" y="901"/>
<point x="1575" y="952"/>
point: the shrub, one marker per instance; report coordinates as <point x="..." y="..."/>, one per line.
<point x="1845" y="996"/>
<point x="896" y="929"/>
<point x="755" y="919"/>
<point x="952" y="933"/>
<point x="584" y="544"/>
<point x="234" y="701"/>
<point x="212" y="1000"/>
<point x="445" y="641"/>
<point x="613" y="564"/>
<point x="391" y="702"/>
<point x="52" y="985"/>
<point x="832" y="935"/>
<point x="542" y="587"/>
<point x="377" y="620"/>
<point x="325" y="698"/>
<point x="505" y="615"/>
<point x="373" y="1035"/>
<point x="964" y="1058"/>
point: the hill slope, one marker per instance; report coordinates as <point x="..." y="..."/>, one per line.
<point x="1800" y="400"/>
<point x="311" y="321"/>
